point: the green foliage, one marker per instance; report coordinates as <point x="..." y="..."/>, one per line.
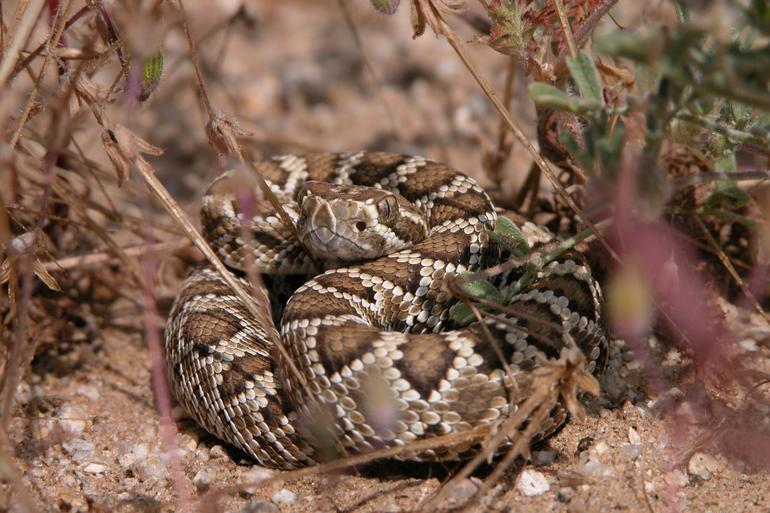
<point x="386" y="6"/>
<point x="586" y="76"/>
<point x="508" y="236"/>
<point x="152" y="72"/>
<point x="698" y="85"/>
<point x="548" y="96"/>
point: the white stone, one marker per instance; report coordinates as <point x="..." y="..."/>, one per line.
<point x="748" y="344"/>
<point x="78" y="448"/>
<point x="95" y="468"/>
<point x="532" y="483"/>
<point x="284" y="497"/>
<point x="703" y="465"/>
<point x="88" y="391"/>
<point x="202" y="479"/>
<point x="217" y="452"/>
<point x="601" y="447"/>
<point x="72" y="419"/>
<point x="633" y="436"/>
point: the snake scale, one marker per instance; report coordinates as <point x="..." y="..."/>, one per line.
<point x="375" y="358"/>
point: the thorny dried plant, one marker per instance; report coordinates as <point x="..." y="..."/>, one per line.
<point x="660" y="136"/>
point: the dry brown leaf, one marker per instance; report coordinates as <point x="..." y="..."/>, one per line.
<point x="223" y="131"/>
<point x="122" y="147"/>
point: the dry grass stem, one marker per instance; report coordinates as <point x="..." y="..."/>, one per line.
<point x="566" y="29"/>
<point x="20" y="36"/>
<point x="731" y="269"/>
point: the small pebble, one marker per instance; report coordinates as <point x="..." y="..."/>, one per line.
<point x="178" y="413"/>
<point x="252" y="477"/>
<point x="72" y="419"/>
<point x="591" y="466"/>
<point x="565" y="494"/>
<point x="72" y="501"/>
<point x="759" y="334"/>
<point x="130" y="456"/>
<point x="284" y="497"/>
<point x="90" y="392"/>
<point x="748" y="344"/>
<point x="462" y="491"/>
<point x="633" y="451"/>
<point x="260" y="507"/>
<point x="202" y="479"/>
<point x="703" y="465"/>
<point x="532" y="483"/>
<point x="217" y="452"/>
<point x="542" y="458"/>
<point x="95" y="468"/>
<point x="601" y="447"/>
<point x="584" y="444"/>
<point x="79" y="449"/>
<point x="256" y="474"/>
<point x="649" y="487"/>
<point x="151" y="469"/>
<point x="677" y="478"/>
<point x="633" y="436"/>
<point x="23" y="393"/>
<point x="186" y="442"/>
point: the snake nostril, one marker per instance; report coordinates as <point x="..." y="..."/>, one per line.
<point x="360" y="226"/>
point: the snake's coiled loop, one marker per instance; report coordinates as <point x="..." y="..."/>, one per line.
<point x="373" y="341"/>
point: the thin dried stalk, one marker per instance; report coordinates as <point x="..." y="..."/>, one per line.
<point x="565" y="28"/>
<point x="442" y="28"/>
<point x="504" y="145"/>
<point x="58" y="30"/>
<point x="584" y="31"/>
<point x="22" y="64"/>
<point x="731" y="269"/>
<point x="20" y="37"/>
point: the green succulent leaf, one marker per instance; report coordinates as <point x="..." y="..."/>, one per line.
<point x="548" y="96"/>
<point x="586" y="77"/>
<point x="507" y="235"/>
<point x="480" y="289"/>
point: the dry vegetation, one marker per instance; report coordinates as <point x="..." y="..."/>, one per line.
<point x="644" y="132"/>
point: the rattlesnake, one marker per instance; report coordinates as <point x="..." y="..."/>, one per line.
<point x="380" y="361"/>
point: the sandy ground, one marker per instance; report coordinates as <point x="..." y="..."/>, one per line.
<point x="86" y="434"/>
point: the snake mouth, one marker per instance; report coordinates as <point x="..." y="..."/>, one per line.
<point x="332" y="245"/>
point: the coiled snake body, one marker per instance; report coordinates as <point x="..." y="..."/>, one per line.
<point x="379" y="361"/>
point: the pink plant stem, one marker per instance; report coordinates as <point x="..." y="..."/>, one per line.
<point x="160" y="385"/>
<point x="14" y="365"/>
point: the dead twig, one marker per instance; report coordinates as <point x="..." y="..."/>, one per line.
<point x="20" y="37"/>
<point x="728" y="265"/>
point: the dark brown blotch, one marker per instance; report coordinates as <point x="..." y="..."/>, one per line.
<point x="426" y="360"/>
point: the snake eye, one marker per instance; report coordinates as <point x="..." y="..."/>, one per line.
<point x="360" y="226"/>
<point x="387" y="208"/>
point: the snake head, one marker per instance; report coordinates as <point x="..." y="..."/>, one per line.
<point x="348" y="223"/>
